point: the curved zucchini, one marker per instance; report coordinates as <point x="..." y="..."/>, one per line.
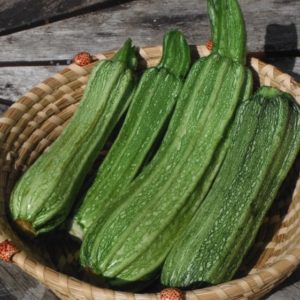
<point x="135" y="239"/>
<point x="213" y="238"/>
<point x="45" y="194"/>
<point x="151" y="106"/>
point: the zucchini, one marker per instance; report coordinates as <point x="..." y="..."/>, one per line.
<point x="44" y="195"/>
<point x="133" y="242"/>
<point x="283" y="161"/>
<point x="208" y="250"/>
<point x="152" y="103"/>
<point x="159" y="249"/>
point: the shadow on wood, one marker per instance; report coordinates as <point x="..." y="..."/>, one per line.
<point x="274" y="39"/>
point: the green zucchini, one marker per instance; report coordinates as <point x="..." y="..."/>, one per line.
<point x="208" y="250"/>
<point x="134" y="240"/>
<point x="151" y="106"/>
<point x="44" y="195"/>
<point x="159" y="249"/>
<point x="285" y="156"/>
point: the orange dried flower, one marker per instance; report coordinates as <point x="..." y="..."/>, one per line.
<point x="171" y="294"/>
<point x="209" y="45"/>
<point x="7" y="250"/>
<point x="82" y="59"/>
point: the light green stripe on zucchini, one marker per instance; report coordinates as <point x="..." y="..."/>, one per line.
<point x="152" y="104"/>
<point x="153" y="200"/>
<point x="284" y="158"/>
<point x="221" y="221"/>
<point x="45" y="194"/>
<point x="93" y="236"/>
<point x="134" y="240"/>
<point x="158" y="250"/>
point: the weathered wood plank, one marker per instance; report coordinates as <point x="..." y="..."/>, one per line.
<point x="15" y="81"/>
<point x="35" y="12"/>
<point x="271" y="22"/>
<point x="18" y="285"/>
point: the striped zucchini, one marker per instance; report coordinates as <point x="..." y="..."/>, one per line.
<point x="282" y="163"/>
<point x="212" y="247"/>
<point x="150" y="109"/>
<point x="45" y="194"/>
<point x="134" y="241"/>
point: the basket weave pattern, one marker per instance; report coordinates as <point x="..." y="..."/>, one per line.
<point x="31" y="124"/>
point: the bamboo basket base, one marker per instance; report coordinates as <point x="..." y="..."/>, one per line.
<point x="31" y="124"/>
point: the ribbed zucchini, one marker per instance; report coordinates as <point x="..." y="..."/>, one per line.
<point x="285" y="156"/>
<point x="43" y="197"/>
<point x="135" y="239"/>
<point x="151" y="106"/>
<point x="221" y="231"/>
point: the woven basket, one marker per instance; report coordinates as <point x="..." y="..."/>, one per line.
<point x="32" y="123"/>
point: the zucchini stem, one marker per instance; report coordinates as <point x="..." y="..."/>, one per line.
<point x="26" y="227"/>
<point x="228" y="29"/>
<point x="126" y="54"/>
<point x="176" y="54"/>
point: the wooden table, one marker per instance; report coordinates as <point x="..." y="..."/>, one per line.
<point x="38" y="37"/>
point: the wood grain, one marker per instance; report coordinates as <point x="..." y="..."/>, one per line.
<point x="35" y="13"/>
<point x="16" y="81"/>
<point x="271" y="22"/>
<point x="26" y="288"/>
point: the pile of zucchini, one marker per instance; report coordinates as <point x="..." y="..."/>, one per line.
<point x="191" y="175"/>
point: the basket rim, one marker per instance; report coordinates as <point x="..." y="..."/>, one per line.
<point x="257" y="283"/>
